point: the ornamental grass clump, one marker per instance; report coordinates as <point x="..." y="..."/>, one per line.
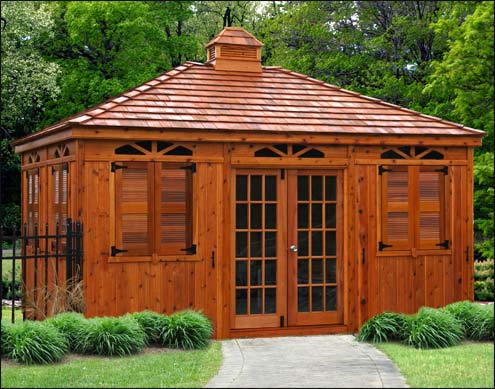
<point x="36" y="343"/>
<point x="186" y="330"/>
<point x="482" y="324"/>
<point x="151" y="323"/>
<point x="383" y="327"/>
<point x="433" y="328"/>
<point x="69" y="324"/>
<point x="6" y="339"/>
<point x="110" y="336"/>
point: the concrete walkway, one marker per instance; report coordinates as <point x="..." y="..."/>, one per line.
<point x="330" y="361"/>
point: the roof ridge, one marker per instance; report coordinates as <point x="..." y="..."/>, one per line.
<point x="382" y="102"/>
<point x="131" y="93"/>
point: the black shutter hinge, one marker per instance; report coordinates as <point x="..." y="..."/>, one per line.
<point x="467" y="254"/>
<point x="444" y="244"/>
<point x="115" y="251"/>
<point x="382" y="170"/>
<point x="212" y="259"/>
<point x="190" y="250"/>
<point x="282" y="321"/>
<point x="382" y="246"/>
<point x="191" y="167"/>
<point x="444" y="170"/>
<point x="364" y="256"/>
<point x="116" y="167"/>
<point x="282" y="176"/>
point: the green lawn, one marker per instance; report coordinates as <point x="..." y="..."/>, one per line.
<point x="7" y="314"/>
<point x="153" y="369"/>
<point x="469" y="365"/>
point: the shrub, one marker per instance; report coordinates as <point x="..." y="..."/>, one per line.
<point x="36" y="342"/>
<point x="482" y="324"/>
<point x="383" y="327"/>
<point x="110" y="336"/>
<point x="465" y="312"/>
<point x="187" y="330"/>
<point x="69" y="324"/>
<point x="483" y="280"/>
<point x="6" y="338"/>
<point x="151" y="323"/>
<point x="433" y="328"/>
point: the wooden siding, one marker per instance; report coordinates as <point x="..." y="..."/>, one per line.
<point x="373" y="281"/>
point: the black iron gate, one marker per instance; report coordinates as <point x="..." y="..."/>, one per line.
<point x="42" y="248"/>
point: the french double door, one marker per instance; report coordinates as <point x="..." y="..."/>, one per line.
<point x="287" y="252"/>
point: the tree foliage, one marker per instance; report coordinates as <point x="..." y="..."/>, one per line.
<point x="436" y="57"/>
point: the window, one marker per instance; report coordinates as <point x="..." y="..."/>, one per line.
<point x="413" y="208"/>
<point x="33" y="196"/>
<point x="153" y="208"/>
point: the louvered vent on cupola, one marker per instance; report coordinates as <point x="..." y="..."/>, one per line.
<point x="235" y="49"/>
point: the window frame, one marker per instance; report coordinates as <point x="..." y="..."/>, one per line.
<point x="415" y="245"/>
<point x="156" y="251"/>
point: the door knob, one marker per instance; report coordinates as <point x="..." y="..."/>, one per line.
<point x="293" y="248"/>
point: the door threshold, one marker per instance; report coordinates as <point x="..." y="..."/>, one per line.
<point x="290" y="331"/>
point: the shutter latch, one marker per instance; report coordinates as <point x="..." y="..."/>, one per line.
<point x="382" y="246"/>
<point x="190" y="250"/>
<point x="382" y="170"/>
<point x="115" y="167"/>
<point x="444" y="170"/>
<point x="444" y="244"/>
<point x="191" y="167"/>
<point x="115" y="251"/>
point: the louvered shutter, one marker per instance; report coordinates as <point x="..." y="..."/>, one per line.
<point x="133" y="196"/>
<point x="60" y="206"/>
<point x="430" y="210"/>
<point x="33" y="195"/>
<point x="174" y="209"/>
<point x="396" y="231"/>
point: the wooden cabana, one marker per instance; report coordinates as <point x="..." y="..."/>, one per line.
<point x="275" y="203"/>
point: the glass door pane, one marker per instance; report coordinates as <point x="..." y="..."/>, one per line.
<point x="257" y="210"/>
<point x="314" y="291"/>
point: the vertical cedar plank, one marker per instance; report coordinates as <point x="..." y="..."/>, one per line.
<point x="223" y="285"/>
<point x="362" y="212"/>
<point x="351" y="307"/>
<point x="457" y="238"/>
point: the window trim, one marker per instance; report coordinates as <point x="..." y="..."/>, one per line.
<point x="155" y="256"/>
<point x="415" y="247"/>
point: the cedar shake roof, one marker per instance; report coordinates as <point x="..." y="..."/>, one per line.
<point x="197" y="96"/>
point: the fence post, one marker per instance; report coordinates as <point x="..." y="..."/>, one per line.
<point x="12" y="287"/>
<point x="35" y="291"/>
<point x="23" y="270"/>
<point x="68" y="262"/>
<point x="1" y="265"/>
<point x="45" y="289"/>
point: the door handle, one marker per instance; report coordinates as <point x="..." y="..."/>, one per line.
<point x="293" y="248"/>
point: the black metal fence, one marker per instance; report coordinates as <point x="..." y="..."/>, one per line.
<point x="42" y="248"/>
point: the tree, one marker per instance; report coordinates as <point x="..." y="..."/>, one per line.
<point x="106" y="47"/>
<point x="461" y="89"/>
<point x="28" y="82"/>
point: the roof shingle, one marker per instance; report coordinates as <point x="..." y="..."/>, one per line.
<point x="196" y="96"/>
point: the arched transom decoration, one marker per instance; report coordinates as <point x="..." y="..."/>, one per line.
<point x="61" y="151"/>
<point x="411" y="152"/>
<point x="34" y="157"/>
<point x="153" y="147"/>
<point x="285" y="150"/>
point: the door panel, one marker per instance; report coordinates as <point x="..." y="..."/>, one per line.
<point x="315" y="231"/>
<point x="260" y="265"/>
<point x="288" y="243"/>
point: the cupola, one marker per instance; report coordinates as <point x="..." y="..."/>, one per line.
<point x="235" y="49"/>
